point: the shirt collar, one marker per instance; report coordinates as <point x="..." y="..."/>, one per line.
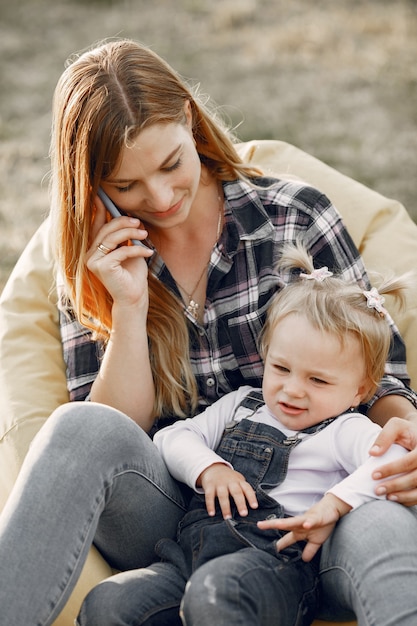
<point x="245" y="215"/>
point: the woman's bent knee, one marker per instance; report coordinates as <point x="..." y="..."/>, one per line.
<point x="89" y="430"/>
<point x="81" y="418"/>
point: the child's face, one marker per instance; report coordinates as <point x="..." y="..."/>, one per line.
<point x="310" y="375"/>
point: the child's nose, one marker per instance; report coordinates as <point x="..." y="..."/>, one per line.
<point x="294" y="387"/>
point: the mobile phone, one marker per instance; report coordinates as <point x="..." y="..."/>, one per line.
<point x="114" y="212"/>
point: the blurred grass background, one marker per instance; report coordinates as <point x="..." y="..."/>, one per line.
<point x="337" y="78"/>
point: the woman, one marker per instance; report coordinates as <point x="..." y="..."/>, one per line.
<point x="170" y="331"/>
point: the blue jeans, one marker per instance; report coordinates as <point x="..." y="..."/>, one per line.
<point x="235" y="575"/>
<point x="248" y="587"/>
<point x="368" y="569"/>
<point x="92" y="475"/>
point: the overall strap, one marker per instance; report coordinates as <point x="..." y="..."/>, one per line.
<point x="253" y="400"/>
<point x="318" y="427"/>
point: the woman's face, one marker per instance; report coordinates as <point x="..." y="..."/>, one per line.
<point x="158" y="175"/>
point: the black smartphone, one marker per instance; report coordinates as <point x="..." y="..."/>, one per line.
<point x="114" y="212"/>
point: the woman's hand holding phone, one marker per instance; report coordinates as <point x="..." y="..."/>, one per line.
<point x="114" y="212"/>
<point x="120" y="267"/>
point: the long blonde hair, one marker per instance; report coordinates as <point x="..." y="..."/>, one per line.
<point x="104" y="98"/>
<point x="336" y="306"/>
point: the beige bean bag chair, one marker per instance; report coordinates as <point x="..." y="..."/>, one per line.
<point x="32" y="372"/>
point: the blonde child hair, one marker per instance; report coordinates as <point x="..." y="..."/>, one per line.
<point x="333" y="305"/>
<point x="104" y="98"/>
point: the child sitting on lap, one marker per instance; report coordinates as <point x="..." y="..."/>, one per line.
<point x="292" y="456"/>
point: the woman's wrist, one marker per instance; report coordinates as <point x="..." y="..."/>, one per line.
<point x="391" y="406"/>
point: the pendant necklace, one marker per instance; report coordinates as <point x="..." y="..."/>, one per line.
<point x="193" y="308"/>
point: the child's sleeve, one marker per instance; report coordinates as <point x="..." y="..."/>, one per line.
<point x="359" y="487"/>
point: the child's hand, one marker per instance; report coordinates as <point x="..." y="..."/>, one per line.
<point x="222" y="482"/>
<point x="313" y="526"/>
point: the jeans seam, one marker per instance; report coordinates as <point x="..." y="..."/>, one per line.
<point x="152" y="482"/>
<point x="354" y="586"/>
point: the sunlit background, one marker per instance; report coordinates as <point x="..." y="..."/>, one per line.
<point x="337" y="78"/>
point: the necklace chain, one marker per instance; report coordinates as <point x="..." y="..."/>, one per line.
<point x="193" y="307"/>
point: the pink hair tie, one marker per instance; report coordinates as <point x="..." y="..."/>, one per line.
<point x="375" y="301"/>
<point x="318" y="274"/>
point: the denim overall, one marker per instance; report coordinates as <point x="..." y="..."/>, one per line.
<point x="260" y="453"/>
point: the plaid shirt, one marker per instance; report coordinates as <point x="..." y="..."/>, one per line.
<point x="242" y="279"/>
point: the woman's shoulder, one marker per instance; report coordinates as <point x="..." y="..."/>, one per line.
<point x="282" y="192"/>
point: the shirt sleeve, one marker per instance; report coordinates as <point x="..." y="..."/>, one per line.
<point x="188" y="446"/>
<point x="359" y="487"/>
<point x="81" y="356"/>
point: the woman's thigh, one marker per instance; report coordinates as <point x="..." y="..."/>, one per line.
<point x="91" y="475"/>
<point x="368" y="566"/>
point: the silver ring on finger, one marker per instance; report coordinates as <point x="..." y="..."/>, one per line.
<point x="104" y="249"/>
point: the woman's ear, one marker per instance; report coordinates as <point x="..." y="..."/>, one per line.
<point x="188" y="114"/>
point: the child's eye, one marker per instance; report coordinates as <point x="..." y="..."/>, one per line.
<point x="281" y="369"/>
<point x="319" y="381"/>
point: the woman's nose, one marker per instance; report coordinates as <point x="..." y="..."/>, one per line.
<point x="159" y="196"/>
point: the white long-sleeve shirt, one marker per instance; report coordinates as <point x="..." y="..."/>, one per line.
<point x="334" y="460"/>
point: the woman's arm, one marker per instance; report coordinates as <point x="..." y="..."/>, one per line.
<point x="125" y="379"/>
<point x="392" y="406"/>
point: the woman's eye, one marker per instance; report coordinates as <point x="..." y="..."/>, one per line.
<point x="174" y="166"/>
<point x="124" y="189"/>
